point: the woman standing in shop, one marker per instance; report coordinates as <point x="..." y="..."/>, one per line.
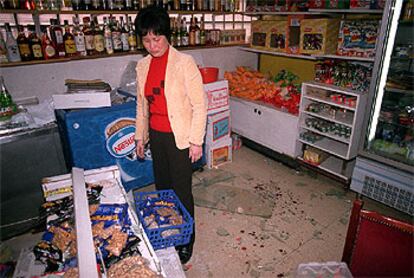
<point x="171" y="110"/>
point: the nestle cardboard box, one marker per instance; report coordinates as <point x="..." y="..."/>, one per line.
<point x="218" y="127"/>
<point x="218" y="154"/>
<point x="217" y="94"/>
<point x="82" y="100"/>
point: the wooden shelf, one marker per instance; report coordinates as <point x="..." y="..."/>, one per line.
<point x="18" y="11"/>
<point x="298" y="56"/>
<point x="351" y="58"/>
<point x="349" y="11"/>
<point x="79" y="58"/>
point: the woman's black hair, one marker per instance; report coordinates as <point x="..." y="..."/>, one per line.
<point x="153" y="19"/>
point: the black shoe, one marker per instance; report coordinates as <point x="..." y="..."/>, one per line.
<point x="185" y="252"/>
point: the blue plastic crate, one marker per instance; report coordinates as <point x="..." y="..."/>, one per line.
<point x="155" y="235"/>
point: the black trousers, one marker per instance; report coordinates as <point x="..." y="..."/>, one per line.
<point x="172" y="167"/>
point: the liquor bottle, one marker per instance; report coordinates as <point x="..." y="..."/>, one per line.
<point x="116" y="36"/>
<point x="87" y="4"/>
<point x="41" y="5"/>
<point x="103" y="4"/>
<point x="132" y="38"/>
<point x="65" y="5"/>
<point x="96" y="4"/>
<point x="135" y="5"/>
<point x="111" y="5"/>
<point x="108" y="38"/>
<point x="124" y="35"/>
<point x="35" y="44"/>
<point x="89" y="36"/>
<point x="77" y="5"/>
<point x="192" y="33"/>
<point x="183" y="5"/>
<point x="203" y="36"/>
<point x="7" y="106"/>
<point x="24" y="46"/>
<point x="29" y="5"/>
<point x="197" y="32"/>
<point x="128" y="5"/>
<point x="14" y="4"/>
<point x="56" y="34"/>
<point x="98" y="37"/>
<point x="176" y="5"/>
<point x="184" y="33"/>
<point x="173" y="34"/>
<point x="48" y="46"/>
<point x="13" y="54"/>
<point x="69" y="41"/>
<point x="198" y="5"/>
<point x="179" y="33"/>
<point x="52" y="5"/>
<point x="189" y="5"/>
<point x="211" y="5"/>
<point x="119" y="5"/>
<point x="79" y="38"/>
<point x="3" y="50"/>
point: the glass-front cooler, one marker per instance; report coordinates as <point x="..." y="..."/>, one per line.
<point x="384" y="169"/>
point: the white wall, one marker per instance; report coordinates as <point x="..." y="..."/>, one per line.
<point x="43" y="80"/>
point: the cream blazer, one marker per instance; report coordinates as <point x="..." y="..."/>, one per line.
<point x="184" y="93"/>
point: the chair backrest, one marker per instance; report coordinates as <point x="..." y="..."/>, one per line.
<point x="378" y="246"/>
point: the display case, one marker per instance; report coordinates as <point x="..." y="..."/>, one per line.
<point x="385" y="166"/>
<point x="330" y="119"/>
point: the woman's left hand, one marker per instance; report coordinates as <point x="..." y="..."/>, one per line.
<point x="195" y="152"/>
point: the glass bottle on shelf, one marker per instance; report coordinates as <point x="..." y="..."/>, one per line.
<point x="124" y="35"/>
<point x="24" y="46"/>
<point x="176" y="5"/>
<point x="35" y="43"/>
<point x="7" y="106"/>
<point x="98" y="37"/>
<point x="56" y="34"/>
<point x="48" y="46"/>
<point x="116" y="36"/>
<point x="41" y="5"/>
<point x="132" y="38"/>
<point x="103" y="4"/>
<point x="135" y="5"/>
<point x="118" y="5"/>
<point x="77" y="5"/>
<point x="65" y="5"/>
<point x="199" y="5"/>
<point x="202" y="32"/>
<point x="3" y="50"/>
<point x="192" y="33"/>
<point x="13" y="54"/>
<point x="89" y="36"/>
<point x="52" y="5"/>
<point x="29" y="5"/>
<point x="128" y="5"/>
<point x="79" y="38"/>
<point x="96" y="5"/>
<point x="69" y="41"/>
<point x="184" y="33"/>
<point x="108" y="37"/>
<point x="173" y="35"/>
<point x="87" y="4"/>
<point x="111" y="5"/>
<point x="197" y="32"/>
<point x="178" y="32"/>
<point x="13" y="4"/>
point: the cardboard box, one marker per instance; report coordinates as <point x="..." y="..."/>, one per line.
<point x="276" y="36"/>
<point x="82" y="100"/>
<point x="218" y="127"/>
<point x="218" y="154"/>
<point x="217" y="94"/>
<point x="318" y="36"/>
<point x="293" y="32"/>
<point x="237" y="36"/>
<point x="358" y="38"/>
<point x="259" y="29"/>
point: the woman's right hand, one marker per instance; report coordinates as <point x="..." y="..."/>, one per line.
<point x="139" y="150"/>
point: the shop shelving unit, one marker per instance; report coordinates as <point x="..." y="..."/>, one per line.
<point x="341" y="150"/>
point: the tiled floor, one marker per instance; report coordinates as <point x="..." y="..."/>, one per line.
<point x="255" y="217"/>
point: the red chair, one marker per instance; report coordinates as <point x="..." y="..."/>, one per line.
<point x="378" y="246"/>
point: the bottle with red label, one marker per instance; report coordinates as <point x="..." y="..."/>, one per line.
<point x="48" y="46"/>
<point x="56" y="34"/>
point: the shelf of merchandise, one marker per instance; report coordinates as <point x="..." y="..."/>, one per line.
<point x="342" y="150"/>
<point x="298" y="56"/>
<point x="308" y="57"/>
<point x="400" y="91"/>
<point x="334" y="166"/>
<point x="348" y="11"/>
<point x="327" y="134"/>
<point x="284" y="13"/>
<point x="77" y="58"/>
<point x="16" y="11"/>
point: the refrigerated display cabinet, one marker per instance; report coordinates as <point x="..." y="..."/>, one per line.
<point x="384" y="169"/>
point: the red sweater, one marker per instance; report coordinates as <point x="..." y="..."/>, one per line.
<point x="154" y="92"/>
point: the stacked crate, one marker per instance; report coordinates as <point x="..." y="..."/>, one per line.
<point x="218" y="148"/>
